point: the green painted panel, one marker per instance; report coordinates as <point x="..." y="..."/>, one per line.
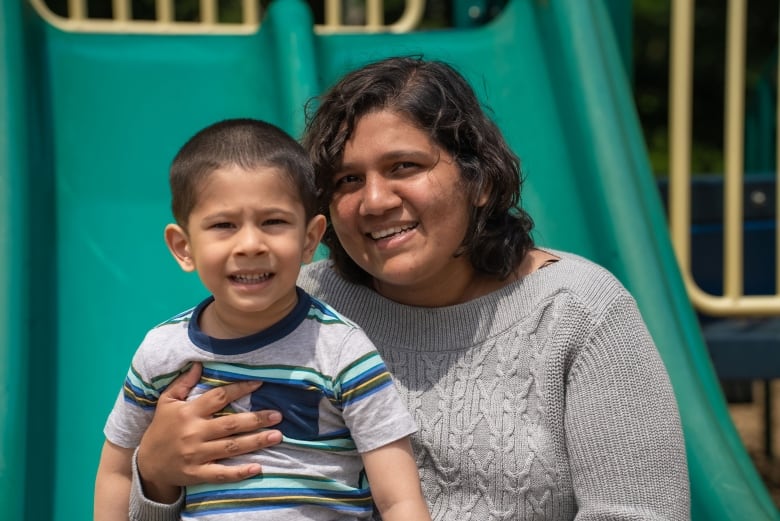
<point x="13" y="272"/>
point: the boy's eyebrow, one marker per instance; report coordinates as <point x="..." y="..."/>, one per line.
<point x="265" y="210"/>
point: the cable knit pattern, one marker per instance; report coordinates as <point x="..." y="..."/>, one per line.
<point x="545" y="400"/>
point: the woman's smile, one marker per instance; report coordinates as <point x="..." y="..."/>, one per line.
<point x="390" y="232"/>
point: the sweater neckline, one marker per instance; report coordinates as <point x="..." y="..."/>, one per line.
<point x="447" y="328"/>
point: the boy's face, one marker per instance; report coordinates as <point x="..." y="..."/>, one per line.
<point x="246" y="237"/>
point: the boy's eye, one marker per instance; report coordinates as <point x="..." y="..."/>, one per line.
<point x="271" y="222"/>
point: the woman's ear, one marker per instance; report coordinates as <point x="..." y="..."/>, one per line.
<point x="314" y="231"/>
<point x="179" y="246"/>
<point x="483" y="195"/>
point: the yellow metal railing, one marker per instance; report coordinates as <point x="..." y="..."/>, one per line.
<point x="164" y="22"/>
<point x="733" y="302"/>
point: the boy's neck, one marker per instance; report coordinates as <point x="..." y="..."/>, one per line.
<point x="232" y="325"/>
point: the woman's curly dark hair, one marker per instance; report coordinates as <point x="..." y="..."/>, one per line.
<point x="437" y="99"/>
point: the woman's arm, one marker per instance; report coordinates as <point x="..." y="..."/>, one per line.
<point x="184" y="442"/>
<point x="395" y="483"/>
<point x="112" y="484"/>
<point x="623" y="432"/>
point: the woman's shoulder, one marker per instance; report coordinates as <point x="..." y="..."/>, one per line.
<point x="314" y="275"/>
<point x="592" y="284"/>
<point x="581" y="267"/>
<point x="320" y="280"/>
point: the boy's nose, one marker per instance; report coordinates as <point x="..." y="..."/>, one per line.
<point x="251" y="241"/>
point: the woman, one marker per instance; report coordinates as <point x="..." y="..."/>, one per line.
<point x="536" y="387"/>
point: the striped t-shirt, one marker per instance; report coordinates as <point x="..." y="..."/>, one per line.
<point x="318" y="369"/>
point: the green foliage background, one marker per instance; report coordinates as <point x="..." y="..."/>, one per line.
<point x="651" y="77"/>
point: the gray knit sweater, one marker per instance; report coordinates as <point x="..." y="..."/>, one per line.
<point x="545" y="400"/>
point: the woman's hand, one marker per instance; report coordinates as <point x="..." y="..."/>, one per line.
<point x="184" y="442"/>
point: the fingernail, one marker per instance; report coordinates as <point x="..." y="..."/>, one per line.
<point x="274" y="416"/>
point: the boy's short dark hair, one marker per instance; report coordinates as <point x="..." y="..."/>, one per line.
<point x="246" y="143"/>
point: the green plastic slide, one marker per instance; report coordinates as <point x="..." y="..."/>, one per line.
<point x="90" y="122"/>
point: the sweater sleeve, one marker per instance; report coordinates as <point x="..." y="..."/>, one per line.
<point x="144" y="509"/>
<point x="623" y="431"/>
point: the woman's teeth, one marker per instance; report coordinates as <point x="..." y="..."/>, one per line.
<point x="382" y="234"/>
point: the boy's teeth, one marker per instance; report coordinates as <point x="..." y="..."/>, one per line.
<point x="249" y="279"/>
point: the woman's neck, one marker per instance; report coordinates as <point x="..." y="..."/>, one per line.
<point x="460" y="287"/>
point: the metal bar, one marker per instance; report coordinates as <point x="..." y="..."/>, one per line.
<point x="734" y="150"/>
<point x="165" y="22"/>
<point x="768" y="421"/>
<point x="250" y="12"/>
<point x="208" y="12"/>
<point x="77" y="9"/>
<point x="333" y="14"/>
<point x="733" y="303"/>
<point x="680" y="81"/>
<point x="122" y="10"/>
<point x="375" y="15"/>
<point x="164" y="11"/>
<point x="410" y="18"/>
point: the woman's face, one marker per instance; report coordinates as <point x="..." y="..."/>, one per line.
<point x="401" y="212"/>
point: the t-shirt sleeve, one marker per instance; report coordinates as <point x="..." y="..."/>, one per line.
<point x="373" y="410"/>
<point x="134" y="406"/>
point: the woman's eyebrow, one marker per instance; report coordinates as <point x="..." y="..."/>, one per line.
<point x="392" y="155"/>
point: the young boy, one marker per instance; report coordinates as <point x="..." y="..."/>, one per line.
<point x="246" y="219"/>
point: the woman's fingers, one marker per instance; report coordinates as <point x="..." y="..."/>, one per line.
<point x="185" y="442"/>
<point x="237" y="434"/>
<point x="199" y="462"/>
<point x="239" y="423"/>
<point x="210" y="402"/>
<point x="214" y="400"/>
<point x="215" y="472"/>
<point x="181" y="386"/>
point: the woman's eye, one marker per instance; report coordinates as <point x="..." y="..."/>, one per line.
<point x="345" y="179"/>
<point x="404" y="166"/>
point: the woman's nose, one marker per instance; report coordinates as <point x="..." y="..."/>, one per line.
<point x="378" y="196"/>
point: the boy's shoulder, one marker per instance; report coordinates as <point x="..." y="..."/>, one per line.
<point x="179" y="318"/>
<point x="324" y="313"/>
<point x="175" y="327"/>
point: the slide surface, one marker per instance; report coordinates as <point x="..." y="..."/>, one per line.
<point x="91" y="122"/>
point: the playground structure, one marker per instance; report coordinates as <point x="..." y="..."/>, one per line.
<point x="91" y="118"/>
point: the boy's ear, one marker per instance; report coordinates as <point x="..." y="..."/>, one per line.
<point x="314" y="232"/>
<point x="179" y="245"/>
